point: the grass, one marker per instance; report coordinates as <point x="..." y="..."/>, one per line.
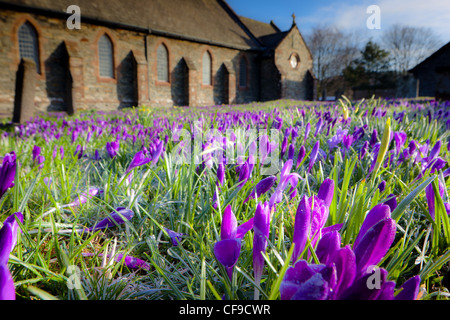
<point x="51" y="253"/>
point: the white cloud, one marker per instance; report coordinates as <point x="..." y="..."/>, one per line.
<point x="434" y="14"/>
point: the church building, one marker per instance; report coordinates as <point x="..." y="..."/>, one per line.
<point x="144" y="52"/>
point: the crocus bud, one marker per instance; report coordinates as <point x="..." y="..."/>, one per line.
<point x="7" y="172"/>
<point x="301" y="156"/>
<point x="326" y="191"/>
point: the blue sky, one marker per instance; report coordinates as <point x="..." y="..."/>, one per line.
<point x="349" y="15"/>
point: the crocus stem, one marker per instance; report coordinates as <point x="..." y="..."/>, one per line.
<point x="256" y="294"/>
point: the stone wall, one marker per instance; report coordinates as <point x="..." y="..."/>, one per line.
<point x="294" y="80"/>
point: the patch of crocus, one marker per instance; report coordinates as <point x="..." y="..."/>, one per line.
<point x="343" y="273"/>
<point x="112" y="148"/>
<point x="119" y="216"/>
<point x="7" y="172"/>
<point x="262" y="187"/>
<point x="175" y="237"/>
<point x="313" y="155"/>
<point x="261" y="229"/>
<point x="8" y="240"/>
<point x="78" y="151"/>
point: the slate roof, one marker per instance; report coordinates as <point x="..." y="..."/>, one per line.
<point x="208" y="21"/>
<point x="435" y="55"/>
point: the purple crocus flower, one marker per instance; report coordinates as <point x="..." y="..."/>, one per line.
<point x="36" y="152"/>
<point x="301" y="227"/>
<point x="313" y="156"/>
<point x="221" y="173"/>
<point x="112" y="148"/>
<point x="129" y="261"/>
<point x="307" y="130"/>
<point x="286" y="177"/>
<point x="175" y="237"/>
<point x="8" y="240"/>
<point x="262" y="187"/>
<point x="310" y="221"/>
<point x="400" y="139"/>
<point x="430" y="196"/>
<point x="92" y="192"/>
<point x="291" y="152"/>
<point x="7" y="172"/>
<point x="344" y="273"/>
<point x="261" y="227"/>
<point x="228" y="249"/>
<point x="119" y="216"/>
<point x="244" y="174"/>
<point x="391" y="201"/>
<point x="374" y="138"/>
<point x="300" y="156"/>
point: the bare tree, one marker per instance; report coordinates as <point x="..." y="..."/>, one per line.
<point x="332" y="51"/>
<point x="409" y="45"/>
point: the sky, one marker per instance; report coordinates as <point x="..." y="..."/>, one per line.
<point x="350" y="15"/>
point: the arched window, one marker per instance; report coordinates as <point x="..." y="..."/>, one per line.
<point x="243" y="72"/>
<point x="206" y="63"/>
<point x="28" y="44"/>
<point x="105" y="57"/>
<point x="162" y="57"/>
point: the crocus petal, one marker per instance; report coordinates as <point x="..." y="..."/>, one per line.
<point x="227" y="251"/>
<point x="374" y="244"/>
<point x="7" y="289"/>
<point x="367" y="287"/>
<point x="391" y="201"/>
<point x="261" y="227"/>
<point x="300" y="156"/>
<point x="116" y="217"/>
<point x="175" y="237"/>
<point x="410" y="289"/>
<point x="376" y="214"/>
<point x="301" y="227"/>
<point x="313" y="155"/>
<point x="326" y="191"/>
<point x="327" y="246"/>
<point x="6" y="242"/>
<point x="229" y="224"/>
<point x="244" y="228"/>
<point x="344" y="261"/>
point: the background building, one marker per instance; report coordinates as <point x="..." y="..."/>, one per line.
<point x="154" y="52"/>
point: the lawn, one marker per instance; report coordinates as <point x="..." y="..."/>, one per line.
<point x="263" y="201"/>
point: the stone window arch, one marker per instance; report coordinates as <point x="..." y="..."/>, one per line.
<point x="207" y="68"/>
<point x="106" y="57"/>
<point x="162" y="61"/>
<point x="29" y="44"/>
